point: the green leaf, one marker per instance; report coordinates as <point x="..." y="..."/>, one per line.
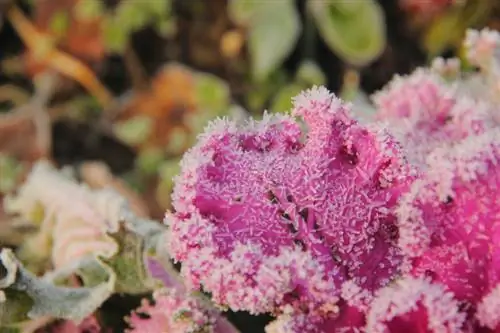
<point x="310" y="73"/>
<point x="282" y="102"/>
<point x="59" y="23"/>
<point x="355" y="32"/>
<point x="272" y="35"/>
<point x="132" y="16"/>
<point x="258" y="97"/>
<point x="115" y="35"/>
<point x="149" y="160"/>
<point x="89" y="9"/>
<point x="10" y="170"/>
<point x="129" y="263"/>
<point x="212" y="93"/>
<point x="168" y="170"/>
<point x="134" y="131"/>
<point x="119" y="269"/>
<point x="449" y="29"/>
<point x="242" y="12"/>
<point x="348" y="7"/>
<point x="26" y="296"/>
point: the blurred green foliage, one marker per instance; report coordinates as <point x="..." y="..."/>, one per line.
<point x="10" y="170"/>
<point x="448" y="29"/>
<point x="307" y="75"/>
<point x="354" y="30"/>
<point x="273" y="30"/>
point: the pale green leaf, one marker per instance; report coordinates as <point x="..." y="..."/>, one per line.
<point x="115" y="35"/>
<point x="357" y="36"/>
<point x="242" y="12"/>
<point x="89" y="9"/>
<point x="273" y="33"/>
<point x="135" y="130"/>
<point x="149" y="160"/>
<point x="282" y="102"/>
<point x="26" y="296"/>
<point x="212" y="93"/>
<point x="310" y="73"/>
<point x="59" y="23"/>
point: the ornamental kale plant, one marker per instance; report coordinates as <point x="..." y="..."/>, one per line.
<point x="327" y="227"/>
<point x="324" y="222"/>
<point x="266" y="219"/>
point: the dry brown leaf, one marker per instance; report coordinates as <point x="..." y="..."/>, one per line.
<point x="40" y="45"/>
<point x="24" y="136"/>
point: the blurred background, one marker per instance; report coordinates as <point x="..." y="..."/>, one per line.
<point x="119" y="89"/>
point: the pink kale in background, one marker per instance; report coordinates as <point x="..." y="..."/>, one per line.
<point x="270" y="217"/>
<point x="450" y="223"/>
<point x="425" y="112"/>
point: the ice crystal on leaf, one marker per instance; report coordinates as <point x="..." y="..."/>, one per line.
<point x="268" y="216"/>
<point x="424" y="112"/>
<point x="172" y="312"/>
<point x="414" y="306"/>
<point x="483" y="49"/>
<point x="74" y="220"/>
<point x="488" y="310"/>
<point x="449" y="222"/>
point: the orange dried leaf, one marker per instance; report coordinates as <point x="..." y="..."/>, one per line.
<point x="83" y="35"/>
<point x="41" y="46"/>
<point x="170" y="98"/>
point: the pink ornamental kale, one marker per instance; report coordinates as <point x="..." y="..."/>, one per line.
<point x="425" y="112"/>
<point x="172" y="311"/>
<point x="415" y="306"/>
<point x="488" y="310"/>
<point x="450" y="223"/>
<point x="350" y="315"/>
<point x="269" y="217"/>
<point x="483" y="49"/>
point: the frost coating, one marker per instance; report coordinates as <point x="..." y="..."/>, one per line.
<point x="77" y="224"/>
<point x="449" y="222"/>
<point x="172" y="312"/>
<point x="27" y="296"/>
<point x="267" y="218"/>
<point x="489" y="308"/>
<point x="483" y="49"/>
<point x="414" y="305"/>
<point x="174" y="291"/>
<point x="75" y="220"/>
<point x="424" y="113"/>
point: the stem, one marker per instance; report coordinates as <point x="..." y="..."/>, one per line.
<point x="350" y="84"/>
